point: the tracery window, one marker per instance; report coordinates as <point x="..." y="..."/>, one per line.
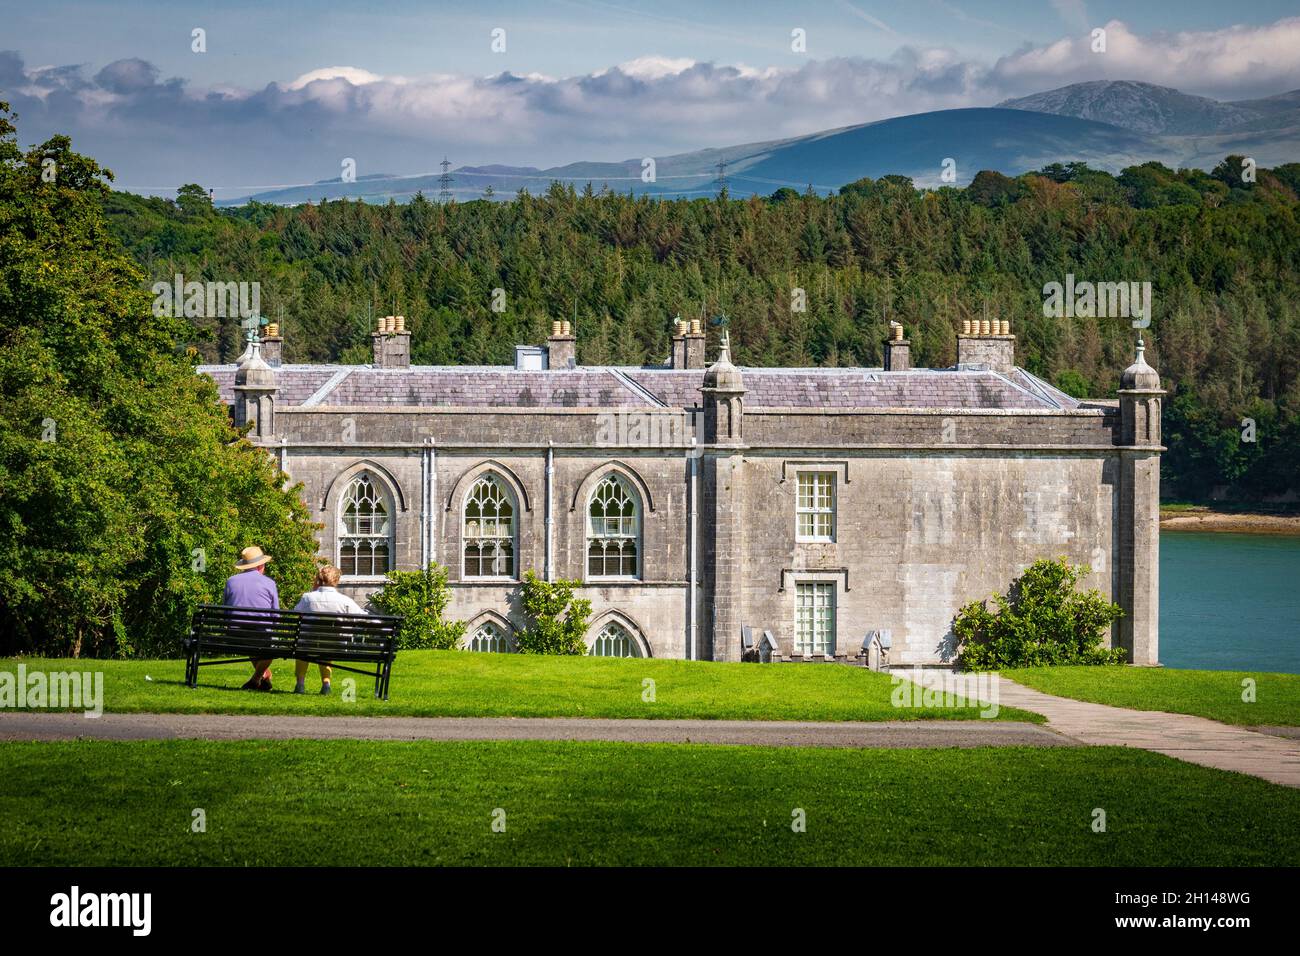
<point x="365" y="529"/>
<point x="488" y="530"/>
<point x="613" y="530"/>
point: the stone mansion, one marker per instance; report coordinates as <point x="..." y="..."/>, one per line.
<point x="704" y="505"/>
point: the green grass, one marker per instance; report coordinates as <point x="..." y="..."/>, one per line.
<point x="358" y="803"/>
<point x="1213" y="694"/>
<point x="459" y="684"/>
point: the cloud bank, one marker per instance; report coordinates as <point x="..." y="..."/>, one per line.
<point x="157" y="132"/>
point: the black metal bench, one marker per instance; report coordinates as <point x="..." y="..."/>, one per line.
<point x="256" y="634"/>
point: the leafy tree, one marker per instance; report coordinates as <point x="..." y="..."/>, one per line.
<point x="1072" y="383"/>
<point x="991" y="188"/>
<point x="420" y="598"/>
<point x="193" y="201"/>
<point x="557" y="621"/>
<point x="1043" y="620"/>
<point x="125" y="493"/>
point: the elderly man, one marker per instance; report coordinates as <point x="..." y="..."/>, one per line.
<point x="328" y="599"/>
<point x="250" y="587"/>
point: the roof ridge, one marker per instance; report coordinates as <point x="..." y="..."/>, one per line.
<point x="636" y="387"/>
<point x="328" y="387"/>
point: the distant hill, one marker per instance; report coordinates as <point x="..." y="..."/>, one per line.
<point x="1141" y="107"/>
<point x="1107" y="124"/>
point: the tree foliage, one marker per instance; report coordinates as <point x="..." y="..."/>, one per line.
<point x="556" y="620"/>
<point x="420" y="598"/>
<point x="1043" y="620"/>
<point x="125" y="493"/>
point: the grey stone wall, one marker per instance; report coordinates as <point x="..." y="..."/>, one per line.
<point x="932" y="510"/>
<point x="917" y="535"/>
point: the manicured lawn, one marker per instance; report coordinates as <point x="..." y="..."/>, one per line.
<point x="1213" y="694"/>
<point x="361" y="803"/>
<point x="460" y="684"/>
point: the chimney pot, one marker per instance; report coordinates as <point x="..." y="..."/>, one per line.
<point x="695" y="327"/>
<point x="988" y="343"/>
<point x="561" y="347"/>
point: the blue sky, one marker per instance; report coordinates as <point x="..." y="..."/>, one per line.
<point x="286" y="88"/>
<point x="253" y="43"/>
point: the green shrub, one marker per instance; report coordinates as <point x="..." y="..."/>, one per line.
<point x="1042" y="621"/>
<point x="547" y="632"/>
<point x="420" y="598"/>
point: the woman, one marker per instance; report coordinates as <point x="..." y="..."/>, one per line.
<point x="328" y="599"/>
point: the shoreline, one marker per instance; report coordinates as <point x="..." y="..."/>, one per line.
<point x="1201" y="518"/>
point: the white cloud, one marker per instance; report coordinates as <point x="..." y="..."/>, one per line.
<point x="352" y="74"/>
<point x="1240" y="61"/>
<point x="653" y="67"/>
<point x="652" y="105"/>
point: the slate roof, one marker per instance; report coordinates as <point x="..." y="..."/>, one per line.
<point x="603" y="387"/>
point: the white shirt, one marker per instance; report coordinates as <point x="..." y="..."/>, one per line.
<point x="328" y="600"/>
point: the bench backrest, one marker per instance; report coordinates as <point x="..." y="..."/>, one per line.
<point x="246" y="631"/>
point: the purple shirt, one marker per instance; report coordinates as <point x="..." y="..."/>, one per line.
<point x="251" y="589"/>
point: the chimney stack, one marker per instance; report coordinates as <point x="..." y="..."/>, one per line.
<point x="898" y="350"/>
<point x="987" y="342"/>
<point x="272" y="345"/>
<point x="688" y="344"/>
<point x="392" y="343"/>
<point x="562" y="346"/>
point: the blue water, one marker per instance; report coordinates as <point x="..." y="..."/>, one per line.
<point x="1230" y="601"/>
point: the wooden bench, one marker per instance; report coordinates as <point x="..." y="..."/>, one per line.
<point x="256" y="634"/>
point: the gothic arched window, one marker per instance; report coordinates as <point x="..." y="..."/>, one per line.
<point x="365" y="529"/>
<point x="614" y="641"/>
<point x="490" y="638"/>
<point x="488" y="530"/>
<point x="614" y="530"/>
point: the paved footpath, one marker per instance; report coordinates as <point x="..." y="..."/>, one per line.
<point x="1273" y="755"/>
<point x="27" y="725"/>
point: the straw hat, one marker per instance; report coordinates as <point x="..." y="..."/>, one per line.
<point x="250" y="558"/>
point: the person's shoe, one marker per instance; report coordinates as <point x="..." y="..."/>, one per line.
<point x="301" y="688"/>
<point x="325" y="689"/>
<point x="253" y="683"/>
<point x="265" y="684"/>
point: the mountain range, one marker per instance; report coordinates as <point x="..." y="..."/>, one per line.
<point x="1109" y="124"/>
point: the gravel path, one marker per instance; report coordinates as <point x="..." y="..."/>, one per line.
<point x="28" y="725"/>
